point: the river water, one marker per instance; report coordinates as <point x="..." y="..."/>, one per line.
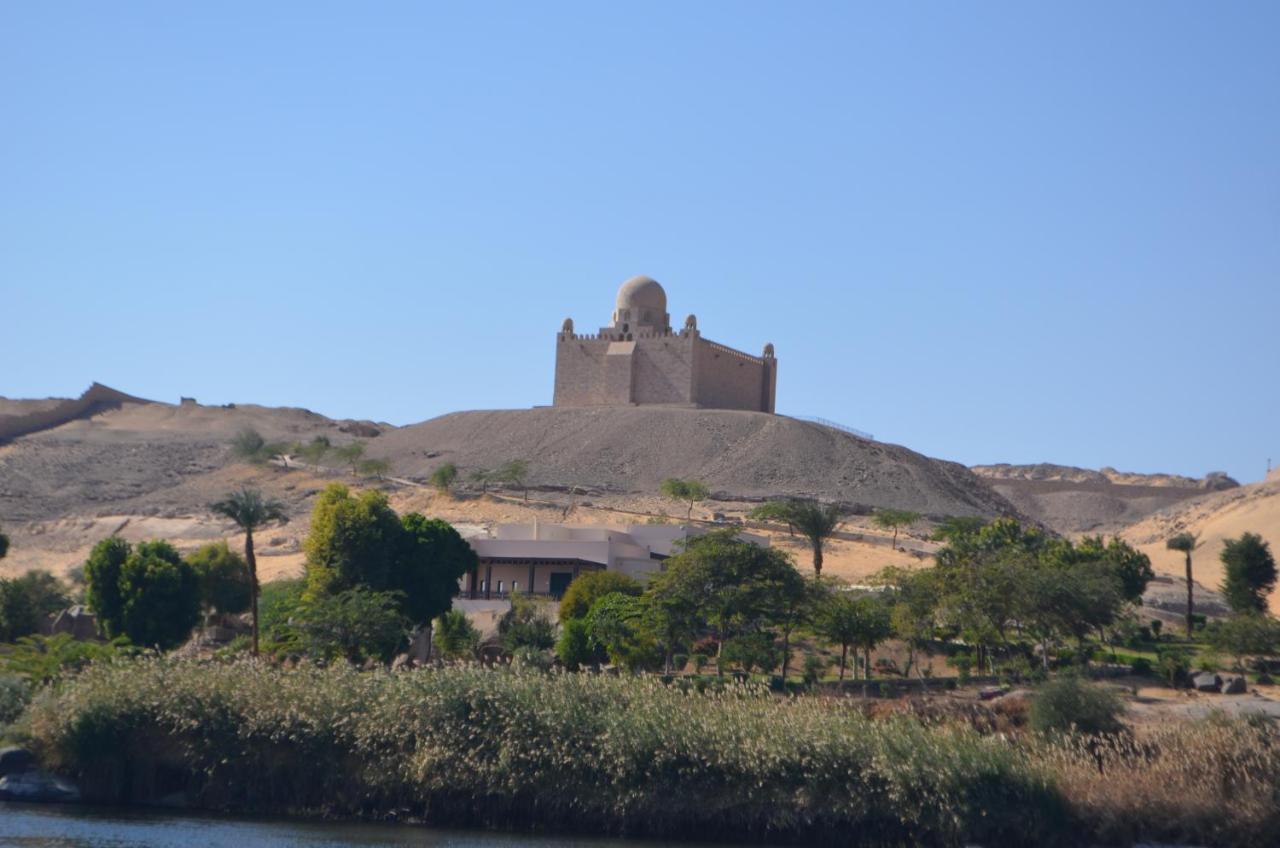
<point x="69" y="826"/>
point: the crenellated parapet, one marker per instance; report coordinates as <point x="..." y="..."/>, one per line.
<point x="639" y="359"/>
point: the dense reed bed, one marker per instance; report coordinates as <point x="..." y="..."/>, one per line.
<point x="603" y="754"/>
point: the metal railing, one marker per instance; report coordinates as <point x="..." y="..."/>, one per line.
<point x="835" y="425"/>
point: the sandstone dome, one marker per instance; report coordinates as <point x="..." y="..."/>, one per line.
<point x="639" y="293"/>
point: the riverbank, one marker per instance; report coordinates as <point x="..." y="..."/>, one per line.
<point x="63" y="826"/>
<point x="595" y="754"/>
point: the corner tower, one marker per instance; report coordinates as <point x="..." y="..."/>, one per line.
<point x="639" y="360"/>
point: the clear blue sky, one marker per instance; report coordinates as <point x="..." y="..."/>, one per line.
<point x="988" y="232"/>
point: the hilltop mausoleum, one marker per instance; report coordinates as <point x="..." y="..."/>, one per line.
<point x="640" y="360"/>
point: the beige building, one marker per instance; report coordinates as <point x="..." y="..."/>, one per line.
<point x="639" y="359"/>
<point x="542" y="559"/>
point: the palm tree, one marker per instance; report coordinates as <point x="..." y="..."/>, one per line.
<point x="1186" y="543"/>
<point x="811" y="519"/>
<point x="250" y="511"/>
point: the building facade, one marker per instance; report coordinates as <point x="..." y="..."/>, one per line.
<point x="640" y="360"/>
<point x="543" y="559"/>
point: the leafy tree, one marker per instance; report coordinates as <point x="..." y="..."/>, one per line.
<point x="315" y="451"/>
<point x="482" y="476"/>
<point x="374" y="467"/>
<point x="354" y="540"/>
<point x="1248" y="633"/>
<point x="456" y="637"/>
<point x="351" y="454"/>
<point x="250" y="511"/>
<point x="913" y="598"/>
<point x="894" y="519"/>
<point x="514" y="473"/>
<point x="1186" y="543"/>
<point x="1250" y="573"/>
<point x="432" y="558"/>
<point x="355" y="624"/>
<point x="443" y="477"/>
<point x="160" y="597"/>
<point x="249" y="446"/>
<point x="27" y="600"/>
<point x="1128" y="564"/>
<point x="225" y="586"/>
<point x="102" y="582"/>
<point x="686" y="491"/>
<point x="813" y="521"/>
<point x="854" y="621"/>
<point x="524" y="626"/>
<point x="757" y="651"/>
<point x="617" y="623"/>
<point x="587" y="588"/>
<point x="730" y="587"/>
<point x="4" y="545"/>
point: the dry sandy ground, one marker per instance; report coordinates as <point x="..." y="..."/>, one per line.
<point x="61" y="544"/>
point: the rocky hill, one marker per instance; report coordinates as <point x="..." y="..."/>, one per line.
<point x="740" y="455"/>
<point x="147" y="469"/>
<point x="1080" y="500"/>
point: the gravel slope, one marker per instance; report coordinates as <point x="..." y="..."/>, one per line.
<point x="738" y="454"/>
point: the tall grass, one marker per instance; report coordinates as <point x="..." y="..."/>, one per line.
<point x="561" y="751"/>
<point x="634" y="756"/>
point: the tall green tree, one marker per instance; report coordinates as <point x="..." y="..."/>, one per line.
<point x="1249" y="573"/>
<point x="732" y="587"/>
<point x="250" y="511"/>
<point x="225" y="586"/>
<point x="685" y="491"/>
<point x="431" y="561"/>
<point x="160" y="597"/>
<point x="813" y="520"/>
<point x="102" y="582"/>
<point x="860" y="622"/>
<point x="895" y="520"/>
<point x="4" y="545"/>
<point x="1186" y="543"/>
<point x="354" y="540"/>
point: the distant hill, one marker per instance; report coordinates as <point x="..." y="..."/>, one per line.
<point x="740" y="455"/>
<point x="1079" y="500"/>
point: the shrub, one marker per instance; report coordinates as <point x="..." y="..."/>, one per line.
<point x="15" y="693"/>
<point x="455" y="636"/>
<point x="1069" y="705"/>
<point x="1141" y="666"/>
<point x="524" y="626"/>
<point x="574" y="648"/>
<point x="26" y="600"/>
